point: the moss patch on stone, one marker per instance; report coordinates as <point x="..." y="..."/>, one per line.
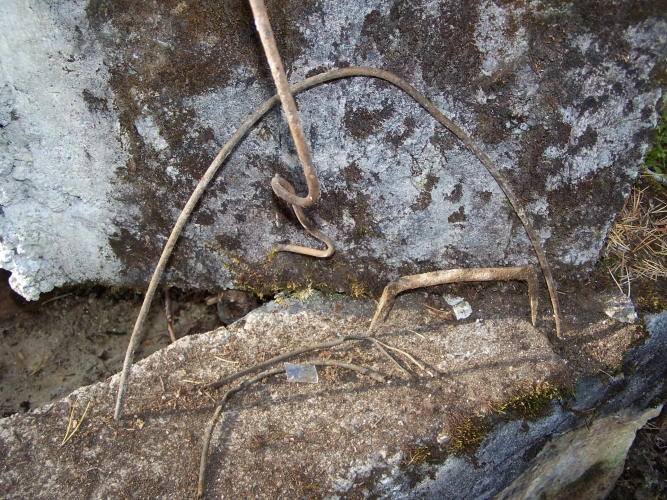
<point x="469" y="434"/>
<point x="530" y="404"/>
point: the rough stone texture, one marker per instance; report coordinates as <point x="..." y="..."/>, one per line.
<point x="510" y="449"/>
<point x="346" y="436"/>
<point x="583" y="463"/>
<point x="330" y="434"/>
<point x="111" y="110"/>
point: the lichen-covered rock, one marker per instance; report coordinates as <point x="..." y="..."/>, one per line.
<point x="111" y="111"/>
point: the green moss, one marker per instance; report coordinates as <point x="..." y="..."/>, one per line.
<point x="650" y="296"/>
<point x="468" y="435"/>
<point x="656" y="157"/>
<point x="531" y="404"/>
<point x="416" y="457"/>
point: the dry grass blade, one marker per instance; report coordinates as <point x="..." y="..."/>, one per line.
<point x="68" y="435"/>
<point x="637" y="242"/>
<point x="42" y="361"/>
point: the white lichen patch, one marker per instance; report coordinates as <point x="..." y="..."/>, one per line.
<point x="150" y="132"/>
<point x="58" y="153"/>
<point x="490" y="35"/>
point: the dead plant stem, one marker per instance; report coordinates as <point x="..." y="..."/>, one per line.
<point x="208" y="433"/>
<point x="289" y="355"/>
<point x="281" y="187"/>
<point x="169" y="314"/>
<point x="69" y="435"/>
<point x="211" y="424"/>
<point x="406" y="354"/>
<point x="525" y="273"/>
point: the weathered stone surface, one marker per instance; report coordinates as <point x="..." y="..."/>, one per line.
<point x="111" y="110"/>
<point x="511" y="448"/>
<point x="343" y="436"/>
<point x="330" y="433"/>
<point x="584" y="463"/>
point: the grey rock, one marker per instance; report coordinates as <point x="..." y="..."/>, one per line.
<point x="339" y="433"/>
<point x="334" y="432"/>
<point x="110" y="113"/>
<point x="583" y="463"/>
<point x="510" y="449"/>
<point x="620" y="308"/>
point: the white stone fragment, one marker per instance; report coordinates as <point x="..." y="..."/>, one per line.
<point x="460" y="306"/>
<point x="620" y="308"/>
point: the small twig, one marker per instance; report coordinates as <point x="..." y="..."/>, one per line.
<point x="379" y="347"/>
<point x="361" y="369"/>
<point x="169" y="314"/>
<point x="67" y="438"/>
<point x="524" y="273"/>
<point x="407" y="355"/>
<point x="211" y="424"/>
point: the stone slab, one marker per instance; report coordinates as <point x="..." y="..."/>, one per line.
<point x="110" y="112"/>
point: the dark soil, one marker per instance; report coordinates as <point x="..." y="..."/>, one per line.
<point x="79" y="335"/>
